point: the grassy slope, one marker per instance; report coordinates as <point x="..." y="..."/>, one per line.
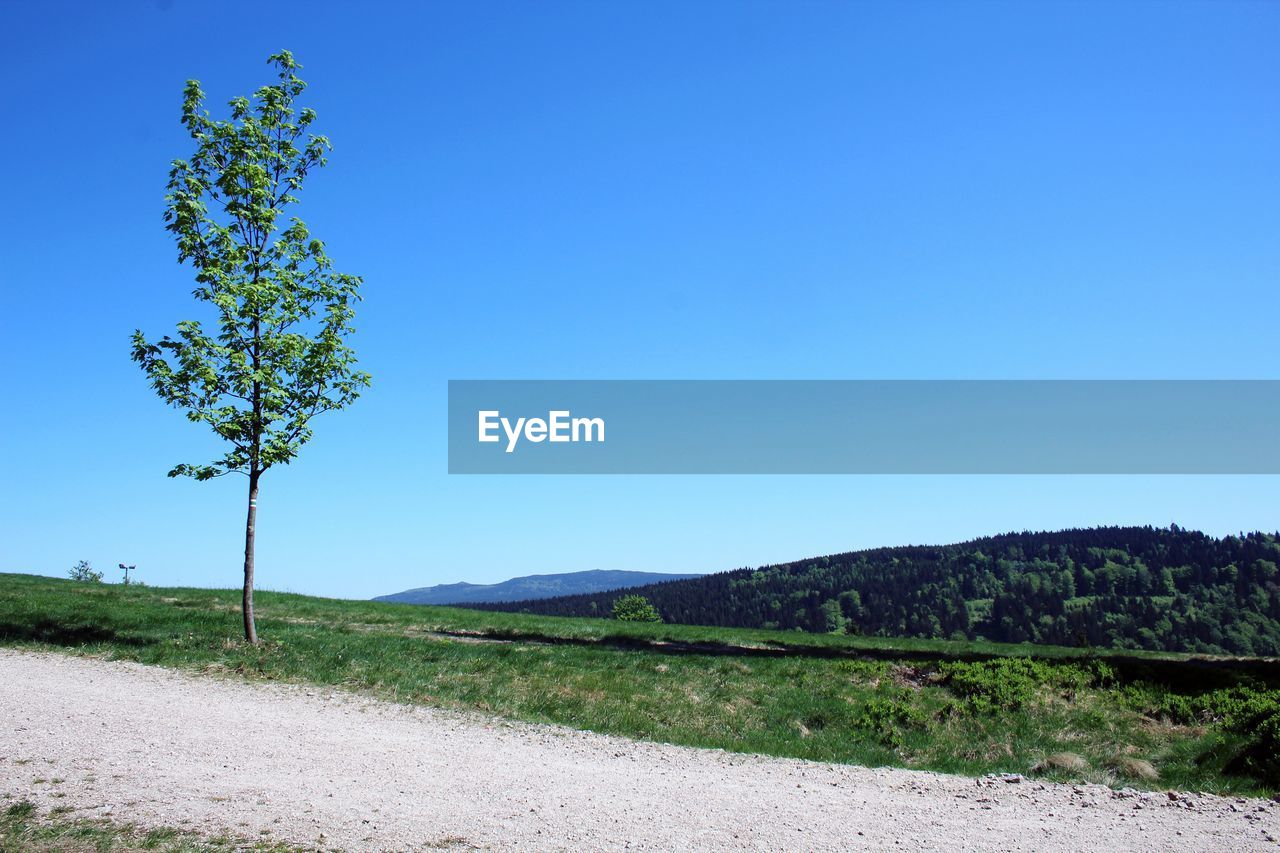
<point x="865" y="700"/>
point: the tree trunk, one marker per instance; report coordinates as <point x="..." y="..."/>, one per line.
<point x="250" y="629"/>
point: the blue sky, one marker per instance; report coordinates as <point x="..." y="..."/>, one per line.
<point x="636" y="190"/>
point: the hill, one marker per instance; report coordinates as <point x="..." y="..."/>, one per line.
<point x="1161" y="589"/>
<point x="529" y="587"/>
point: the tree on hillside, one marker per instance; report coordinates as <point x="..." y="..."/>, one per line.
<point x="635" y="608"/>
<point x="279" y="356"/>
<point x="83" y="571"/>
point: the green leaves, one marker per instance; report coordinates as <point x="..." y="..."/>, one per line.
<point x="635" y="608"/>
<point x="200" y="472"/>
<point x="279" y="356"/>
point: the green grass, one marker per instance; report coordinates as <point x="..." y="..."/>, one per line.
<point x="953" y="706"/>
<point x="24" y="830"/>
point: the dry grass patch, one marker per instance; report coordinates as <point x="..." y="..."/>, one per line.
<point x="1067" y="762"/>
<point x="1129" y="767"/>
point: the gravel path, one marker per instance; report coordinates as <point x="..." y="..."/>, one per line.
<point x="327" y="769"/>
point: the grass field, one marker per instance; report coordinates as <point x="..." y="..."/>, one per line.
<point x="1155" y="721"/>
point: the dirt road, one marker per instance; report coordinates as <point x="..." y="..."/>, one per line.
<point x="326" y="769"/>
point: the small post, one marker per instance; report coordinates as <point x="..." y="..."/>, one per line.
<point x="127" y="569"/>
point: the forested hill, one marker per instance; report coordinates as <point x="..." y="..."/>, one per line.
<point x="1130" y="587"/>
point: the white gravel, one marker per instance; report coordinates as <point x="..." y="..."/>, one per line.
<point x="320" y="768"/>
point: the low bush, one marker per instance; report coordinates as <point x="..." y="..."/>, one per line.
<point x="1254" y="715"/>
<point x="889" y="715"/>
<point x="1012" y="683"/>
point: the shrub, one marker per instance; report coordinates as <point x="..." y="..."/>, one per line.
<point x="635" y="608"/>
<point x="1250" y="714"/>
<point x="1229" y="707"/>
<point x="887" y="716"/>
<point x="1005" y="683"/>
<point x="1255" y="716"/>
<point x="1011" y="683"/>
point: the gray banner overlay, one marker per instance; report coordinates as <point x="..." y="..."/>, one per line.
<point x="864" y="427"/>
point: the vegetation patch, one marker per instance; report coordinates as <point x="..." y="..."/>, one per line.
<point x="23" y="829"/>
<point x="1012" y="683"/>
<point x="1061" y="762"/>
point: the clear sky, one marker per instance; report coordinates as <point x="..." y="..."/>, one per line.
<point x="636" y="190"/>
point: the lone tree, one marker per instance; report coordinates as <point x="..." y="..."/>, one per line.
<point x="635" y="608"/>
<point x="83" y="571"/>
<point x="279" y="356"/>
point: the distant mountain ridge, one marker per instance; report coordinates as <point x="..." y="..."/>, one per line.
<point x="1163" y="589"/>
<point x="531" y="587"/>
